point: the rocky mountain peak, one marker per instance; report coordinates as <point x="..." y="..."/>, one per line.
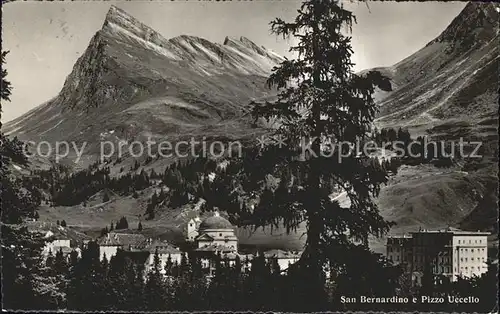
<point x="237" y="42"/>
<point x="121" y="18"/>
<point x="476" y="24"/>
<point x="246" y="44"/>
<point x="130" y="68"/>
<point x="121" y="25"/>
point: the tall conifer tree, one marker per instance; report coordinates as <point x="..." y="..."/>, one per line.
<point x="154" y="291"/>
<point x="322" y="109"/>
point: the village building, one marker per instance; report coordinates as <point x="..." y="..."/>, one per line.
<point x="192" y="229"/>
<point x="451" y="253"/>
<point x="208" y="254"/>
<point x="139" y="249"/>
<point x="111" y="242"/>
<point x="399" y="249"/>
<point x="215" y="238"/>
<point x="165" y="251"/>
<point x="58" y="242"/>
<point x="284" y="258"/>
<point x="217" y="231"/>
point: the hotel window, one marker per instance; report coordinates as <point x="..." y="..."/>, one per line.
<point x="465" y="267"/>
<point x="466" y="259"/>
<point x="472" y="250"/>
<point x="470" y="241"/>
<point x="397" y="257"/>
<point x="461" y="259"/>
<point x="480" y="241"/>
<point x="472" y="258"/>
<point x="458" y="241"/>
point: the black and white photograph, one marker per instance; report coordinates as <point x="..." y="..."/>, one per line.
<point x="285" y="156"/>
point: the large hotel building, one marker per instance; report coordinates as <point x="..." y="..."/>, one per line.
<point x="450" y="252"/>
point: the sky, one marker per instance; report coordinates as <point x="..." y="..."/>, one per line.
<point x="46" y="38"/>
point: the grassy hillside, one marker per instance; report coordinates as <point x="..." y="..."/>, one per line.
<point x="418" y="196"/>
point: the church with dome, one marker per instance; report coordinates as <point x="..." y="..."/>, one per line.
<point x="214" y="233"/>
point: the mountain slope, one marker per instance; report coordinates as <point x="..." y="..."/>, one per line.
<point x="447" y="90"/>
<point x="455" y="76"/>
<point x="134" y="83"/>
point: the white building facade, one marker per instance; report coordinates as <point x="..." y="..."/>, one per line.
<point x="450" y="252"/>
<point x="165" y="251"/>
<point x="470" y="253"/>
<point x="57" y="243"/>
<point x="109" y="244"/>
<point x="192" y="229"/>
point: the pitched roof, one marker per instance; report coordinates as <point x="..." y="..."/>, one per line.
<point x="204" y="236"/>
<point x="163" y="248"/>
<point x="123" y="239"/>
<point x="215" y="248"/>
<point x="51" y="230"/>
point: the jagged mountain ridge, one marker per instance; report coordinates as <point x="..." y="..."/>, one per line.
<point x="133" y="82"/>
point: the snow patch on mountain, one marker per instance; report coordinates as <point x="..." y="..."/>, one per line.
<point x="164" y="101"/>
<point x="11" y="131"/>
<point x="53" y="127"/>
<point x="124" y="21"/>
<point x="118" y="31"/>
<point x="131" y="75"/>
